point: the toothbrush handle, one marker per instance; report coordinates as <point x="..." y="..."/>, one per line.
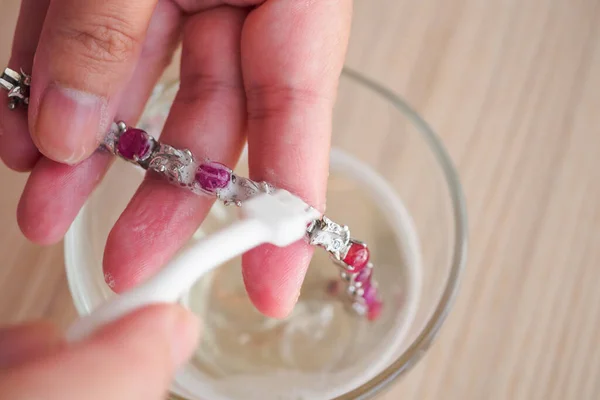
<point x="179" y="276"/>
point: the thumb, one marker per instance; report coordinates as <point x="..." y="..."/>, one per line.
<point x="87" y="53"/>
<point x="131" y="359"/>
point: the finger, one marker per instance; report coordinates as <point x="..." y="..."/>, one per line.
<point x="207" y="117"/>
<point x="290" y="99"/>
<point x="162" y="38"/>
<point x="133" y="358"/>
<point x="25" y="342"/>
<point x="87" y="53"/>
<point x="16" y="148"/>
<point x="55" y="192"/>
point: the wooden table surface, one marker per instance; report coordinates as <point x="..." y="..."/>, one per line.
<point x="513" y="88"/>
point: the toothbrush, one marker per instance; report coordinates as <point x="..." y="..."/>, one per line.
<point x="279" y="218"/>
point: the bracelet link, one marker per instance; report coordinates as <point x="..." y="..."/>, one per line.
<point x="17" y="86"/>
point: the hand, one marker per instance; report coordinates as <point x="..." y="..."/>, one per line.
<point x="265" y="70"/>
<point x="131" y="359"/>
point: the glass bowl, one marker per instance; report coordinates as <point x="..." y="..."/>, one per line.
<point x="394" y="185"/>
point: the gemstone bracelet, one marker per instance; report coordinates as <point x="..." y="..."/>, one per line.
<point x="181" y="168"/>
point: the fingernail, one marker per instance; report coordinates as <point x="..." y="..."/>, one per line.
<point x="68" y="123"/>
<point x="185" y="336"/>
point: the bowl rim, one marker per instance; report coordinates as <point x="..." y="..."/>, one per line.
<point x="414" y="353"/>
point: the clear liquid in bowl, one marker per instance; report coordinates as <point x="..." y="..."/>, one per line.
<point x="321" y="350"/>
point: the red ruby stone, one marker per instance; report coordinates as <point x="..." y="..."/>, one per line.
<point x="372" y="301"/>
<point x="134" y="144"/>
<point x="357" y="257"/>
<point x="374" y="310"/>
<point x="212" y="176"/>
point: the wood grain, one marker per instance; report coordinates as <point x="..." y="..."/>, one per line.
<point x="512" y="87"/>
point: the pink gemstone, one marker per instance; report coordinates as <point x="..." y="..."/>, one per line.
<point x="357" y="257"/>
<point x="364" y="276"/>
<point x="134" y="144"/>
<point x="372" y="301"/>
<point x="370" y="293"/>
<point x="212" y="176"/>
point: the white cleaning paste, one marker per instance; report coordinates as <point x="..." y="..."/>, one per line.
<point x="278" y="372"/>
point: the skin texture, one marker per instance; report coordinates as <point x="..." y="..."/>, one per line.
<point x="255" y="70"/>
<point x="131" y="359"/>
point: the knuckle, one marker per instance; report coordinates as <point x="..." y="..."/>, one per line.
<point x="273" y="101"/>
<point x="200" y="86"/>
<point x="193" y="6"/>
<point x="106" y="39"/>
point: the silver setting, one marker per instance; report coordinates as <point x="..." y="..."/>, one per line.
<point x="178" y="166"/>
<point x="17" y="86"/>
<point x="332" y="237"/>
<point x="122" y="126"/>
<point x="359" y="307"/>
<point x="346" y="277"/>
<point x="10" y="75"/>
<point x="241" y="189"/>
<point x="110" y="140"/>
